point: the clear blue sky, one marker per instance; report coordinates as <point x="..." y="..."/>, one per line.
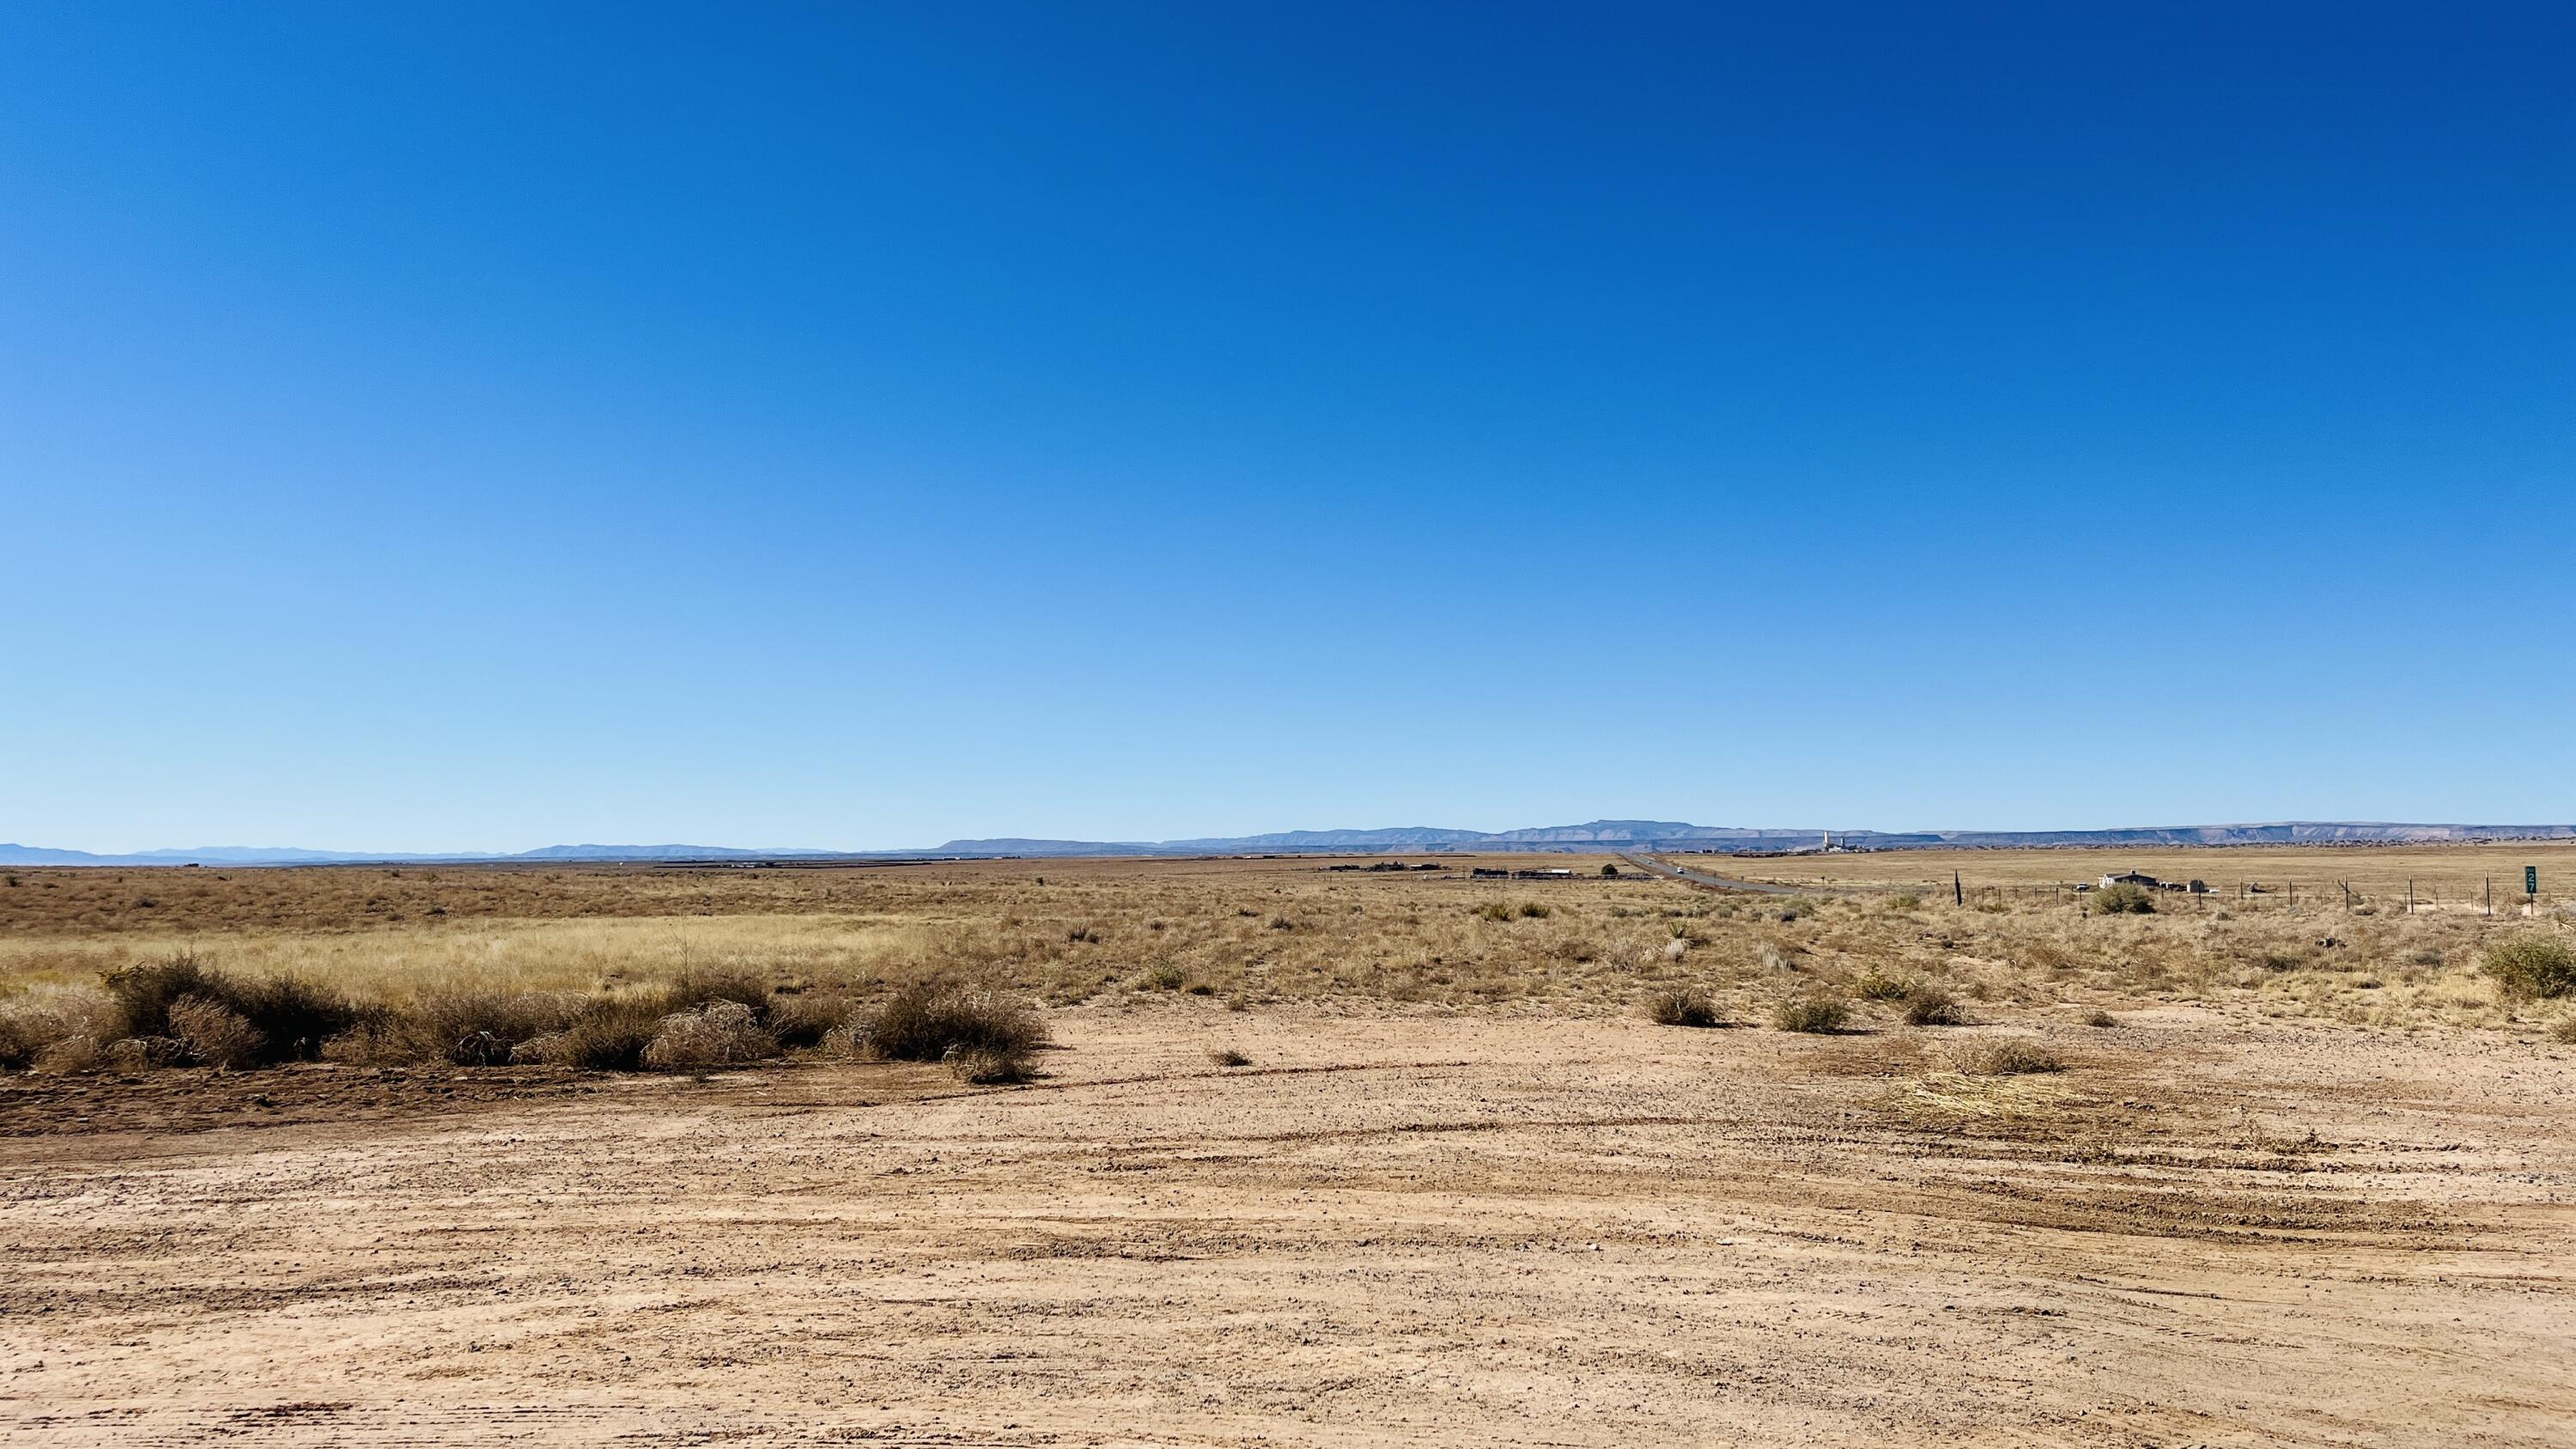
<point x="448" y="426"/>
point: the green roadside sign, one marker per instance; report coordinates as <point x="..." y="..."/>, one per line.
<point x="2531" y="880"/>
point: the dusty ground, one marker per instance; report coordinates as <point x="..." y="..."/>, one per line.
<point x="1398" y="1226"/>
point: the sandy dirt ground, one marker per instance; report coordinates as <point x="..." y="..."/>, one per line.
<point x="1390" y="1229"/>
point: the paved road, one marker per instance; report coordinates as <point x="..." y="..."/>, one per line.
<point x="1719" y="882"/>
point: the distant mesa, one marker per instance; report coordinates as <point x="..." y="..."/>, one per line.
<point x="1592" y="836"/>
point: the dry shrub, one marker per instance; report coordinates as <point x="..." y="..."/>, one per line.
<point x="845" y="1042"/>
<point x="1164" y="977"/>
<point x="2528" y="967"/>
<point x="135" y="1054"/>
<point x="1682" y="1006"/>
<point x="213" y="1034"/>
<point x="701" y="988"/>
<point x="23" y="1038"/>
<point x="71" y="1056"/>
<point x="551" y="1050"/>
<point x="610" y="1035"/>
<point x="2101" y="1018"/>
<point x="804" y="1021"/>
<point x="1229" y="1057"/>
<point x="717" y="1034"/>
<point x="1932" y="1006"/>
<point x="2009" y="1059"/>
<point x="613" y="1033"/>
<point x="988" y="1068"/>
<point x="1811" y="1014"/>
<point x="474" y="1028"/>
<point x="143" y="994"/>
<point x="46" y="1030"/>
<point x="976" y="1028"/>
<point x="290" y="1018"/>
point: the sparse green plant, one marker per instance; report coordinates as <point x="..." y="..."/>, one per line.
<point x="1163" y="976"/>
<point x="1877" y="985"/>
<point x="2532" y="967"/>
<point x="2124" y="899"/>
<point x="1905" y="901"/>
<point x="1494" y="911"/>
<point x="1532" y="910"/>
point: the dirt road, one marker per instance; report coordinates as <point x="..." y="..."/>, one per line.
<point x="1669" y="871"/>
<point x="1392" y="1229"/>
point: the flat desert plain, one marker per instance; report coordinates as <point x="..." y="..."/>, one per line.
<point x="1317" y="1157"/>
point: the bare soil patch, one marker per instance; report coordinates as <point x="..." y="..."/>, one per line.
<point x="1399" y="1226"/>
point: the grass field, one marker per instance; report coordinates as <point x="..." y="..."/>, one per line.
<point x="1292" y="929"/>
<point x="1298" y="1155"/>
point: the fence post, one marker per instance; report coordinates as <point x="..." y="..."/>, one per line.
<point x="1957" y="897"/>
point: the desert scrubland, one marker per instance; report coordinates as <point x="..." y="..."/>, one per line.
<point x="1306" y="1155"/>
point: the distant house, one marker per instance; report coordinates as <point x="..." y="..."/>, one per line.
<point x="2146" y="882"/>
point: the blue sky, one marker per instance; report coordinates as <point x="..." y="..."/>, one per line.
<point x="445" y="427"/>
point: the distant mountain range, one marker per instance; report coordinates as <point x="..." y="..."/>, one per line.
<point x="1596" y="835"/>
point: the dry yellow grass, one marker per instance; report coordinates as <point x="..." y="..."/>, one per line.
<point x="1255" y="930"/>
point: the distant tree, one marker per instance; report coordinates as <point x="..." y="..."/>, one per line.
<point x="1611" y="871"/>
